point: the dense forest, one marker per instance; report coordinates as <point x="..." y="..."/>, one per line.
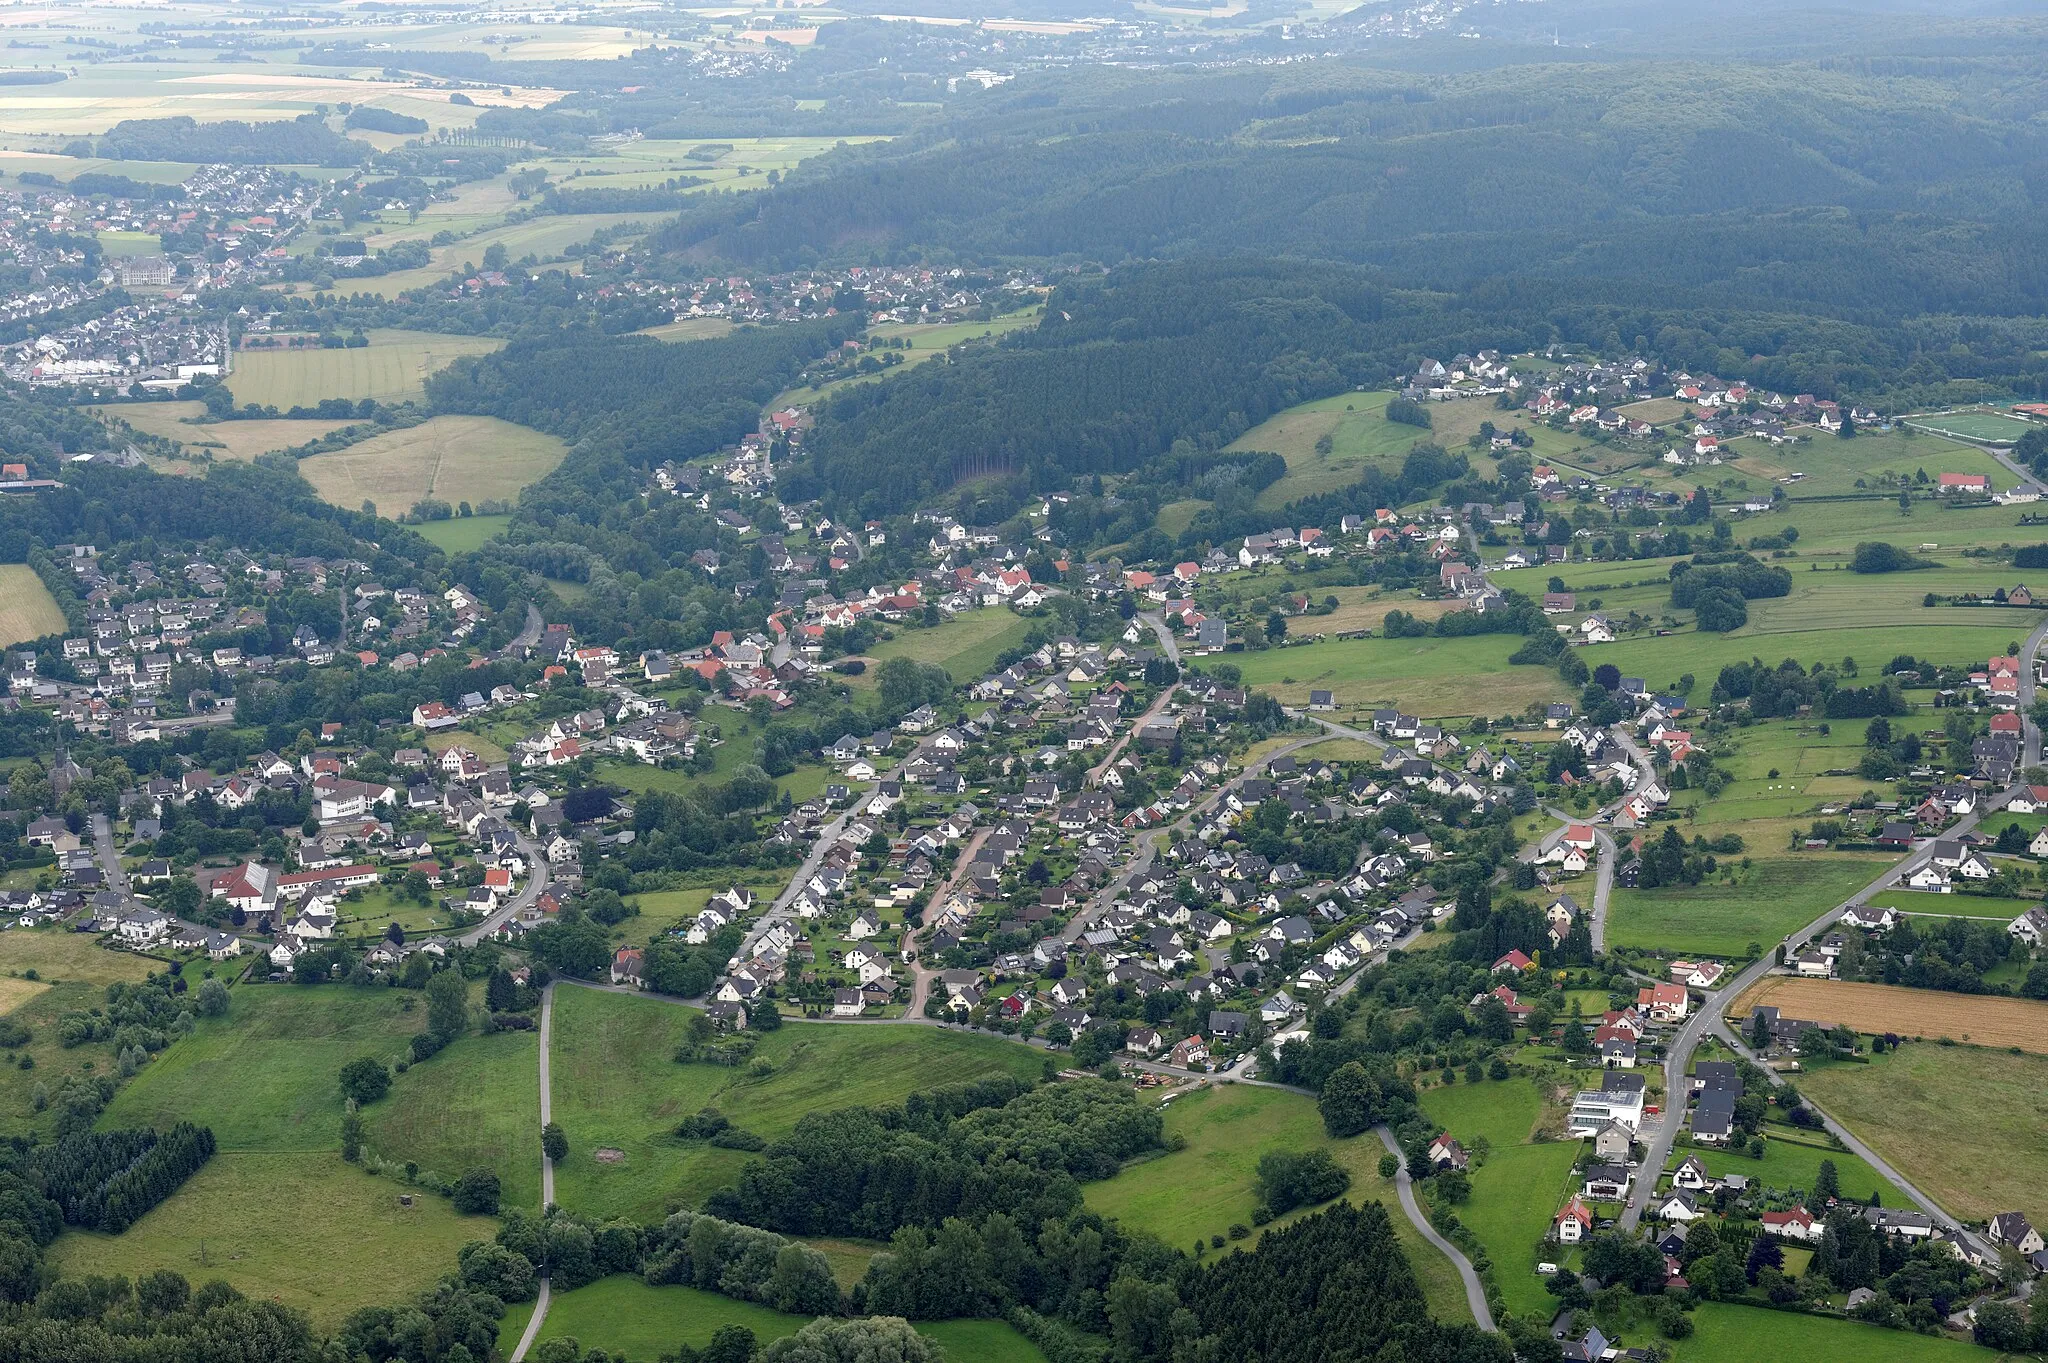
<point x="635" y="396"/>
<point x="306" y="140"/>
<point x="1749" y="183"/>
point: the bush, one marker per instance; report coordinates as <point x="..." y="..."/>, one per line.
<point x="476" y="1193"/>
<point x="1877" y="557"/>
<point x="1288" y="1180"/>
<point x="1408" y="412"/>
<point x="365" y="1079"/>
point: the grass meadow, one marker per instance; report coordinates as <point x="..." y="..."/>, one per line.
<point x="451" y="458"/>
<point x="1775" y="896"/>
<point x="617" y="1087"/>
<point x="966" y="646"/>
<point x="263" y="1077"/>
<point x="73" y="973"/>
<point x="393" y="367"/>
<point x="1435" y="678"/>
<point x="627" y="1318"/>
<point x="1212" y="1184"/>
<point x="1726" y="1333"/>
<point x="220" y="439"/>
<point x="462" y="534"/>
<point x="27" y="610"/>
<point x="1792" y="1165"/>
<point x="1907" y="1105"/>
<point x="267" y="1224"/>
<point x="1519" y="1187"/>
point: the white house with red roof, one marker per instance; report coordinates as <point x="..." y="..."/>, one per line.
<point x="1797" y="1224"/>
<point x="1572" y="1224"/>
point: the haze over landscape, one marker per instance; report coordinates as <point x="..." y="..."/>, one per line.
<point x="1023" y="681"/>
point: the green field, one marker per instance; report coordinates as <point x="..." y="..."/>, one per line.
<point x="303" y="1229"/>
<point x="131" y="243"/>
<point x="461" y="534"/>
<point x="1725" y="1333"/>
<point x="928" y="341"/>
<point x="629" y="1319"/>
<point x="616" y="1087"/>
<point x="1430" y="677"/>
<point x="392" y="368"/>
<point x="966" y="645"/>
<point x="543" y="237"/>
<point x="1832" y="468"/>
<point x="1210" y="1185"/>
<point x="1774" y="897"/>
<point x="1661" y="662"/>
<point x="27" y="610"/>
<point x="476" y="1105"/>
<point x="1519" y="1187"/>
<point x="1955" y="905"/>
<point x="1906" y="1104"/>
<point x="263" y="1077"/>
<point x="452" y="458"/>
<point x="1993" y="428"/>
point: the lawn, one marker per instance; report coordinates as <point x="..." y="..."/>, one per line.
<point x="263" y="1077"/>
<point x="1790" y="1165"/>
<point x="392" y="368"/>
<point x="266" y="1223"/>
<point x="476" y="1105"/>
<point x="966" y="646"/>
<point x="1212" y="1184"/>
<point x="1906" y="1104"/>
<point x="1518" y="1189"/>
<point x="1725" y="1333"/>
<point x="27" y="610"/>
<point x="1430" y="677"/>
<point x="462" y="534"/>
<point x="629" y="1319"/>
<point x="616" y="1087"/>
<point x="1776" y="896"/>
<point x="451" y="458"/>
<point x="1955" y="905"/>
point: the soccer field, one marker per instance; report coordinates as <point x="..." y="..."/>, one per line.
<point x="1988" y="427"/>
<point x="392" y="368"/>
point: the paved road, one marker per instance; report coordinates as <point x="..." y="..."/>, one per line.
<point x="529" y="634"/>
<point x="1157" y="624"/>
<point x="547" y="1166"/>
<point x="109" y="855"/>
<point x="1475" y="1293"/>
<point x="2030" y="755"/>
<point x="1727" y="1035"/>
<point x="536" y="882"/>
<point x="1679" y="1058"/>
<point x="2003" y="454"/>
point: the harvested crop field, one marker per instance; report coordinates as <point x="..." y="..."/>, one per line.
<point x="452" y="458"/>
<point x="27" y="610"/>
<point x="1929" y="1013"/>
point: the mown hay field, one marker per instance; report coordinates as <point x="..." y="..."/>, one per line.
<point x="452" y="458"/>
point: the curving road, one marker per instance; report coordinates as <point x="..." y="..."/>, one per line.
<point x="1404" y="1186"/>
